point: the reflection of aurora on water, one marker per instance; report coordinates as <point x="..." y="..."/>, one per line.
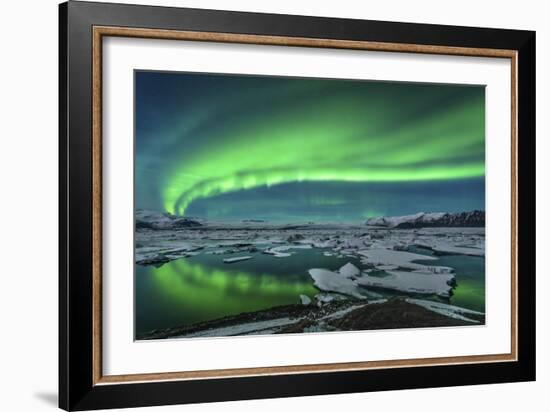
<point x="187" y="292"/>
<point x="202" y="288"/>
<point x="200" y="137"/>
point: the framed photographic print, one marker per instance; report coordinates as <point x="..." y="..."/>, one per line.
<point x="257" y="205"/>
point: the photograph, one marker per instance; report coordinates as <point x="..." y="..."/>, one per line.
<point x="275" y="205"/>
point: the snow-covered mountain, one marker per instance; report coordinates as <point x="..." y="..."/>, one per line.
<point x="148" y="219"/>
<point x="475" y="218"/>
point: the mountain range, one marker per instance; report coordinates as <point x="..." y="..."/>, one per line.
<point x="474" y="218"/>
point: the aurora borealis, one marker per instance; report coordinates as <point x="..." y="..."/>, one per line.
<point x="286" y="149"/>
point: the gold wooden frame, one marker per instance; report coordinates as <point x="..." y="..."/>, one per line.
<point x="101" y="31"/>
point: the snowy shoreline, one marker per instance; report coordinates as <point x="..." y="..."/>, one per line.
<point x="334" y="316"/>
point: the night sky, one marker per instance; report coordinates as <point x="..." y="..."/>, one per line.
<point x="231" y="147"/>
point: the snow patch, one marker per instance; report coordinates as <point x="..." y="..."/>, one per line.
<point x="451" y="311"/>
<point x="242" y="329"/>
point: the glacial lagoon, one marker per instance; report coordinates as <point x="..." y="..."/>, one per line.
<point x="201" y="287"/>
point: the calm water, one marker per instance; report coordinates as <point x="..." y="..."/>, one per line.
<point x="470" y="278"/>
<point x="201" y="288"/>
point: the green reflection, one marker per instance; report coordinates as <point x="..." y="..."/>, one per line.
<point x="470" y="277"/>
<point x="203" y="288"/>
<point x="183" y="292"/>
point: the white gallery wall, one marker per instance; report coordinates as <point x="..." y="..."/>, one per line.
<point x="28" y="202"/>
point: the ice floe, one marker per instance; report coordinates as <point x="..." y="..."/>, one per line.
<point x="236" y="259"/>
<point x="398" y="258"/>
<point x="425" y="283"/>
<point x="329" y="281"/>
<point x="282" y="251"/>
<point x="305" y="300"/>
<point x="349" y="270"/>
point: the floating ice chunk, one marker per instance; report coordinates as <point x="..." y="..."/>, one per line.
<point x="279" y="254"/>
<point x="447" y="248"/>
<point x="328" y="297"/>
<point x="285" y="248"/>
<point x="435" y="269"/>
<point x="236" y="259"/>
<point x="412" y="282"/>
<point x="281" y="251"/>
<point x="184" y="255"/>
<point x="349" y="270"/>
<point x="165" y="252"/>
<point x="396" y="258"/>
<point x="334" y="282"/>
<point x="387" y="267"/>
<point x="218" y="252"/>
<point x="306" y="300"/>
<point x="154" y="259"/>
<point x="323" y="243"/>
<point x="451" y="311"/>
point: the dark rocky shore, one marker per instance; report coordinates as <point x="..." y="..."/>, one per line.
<point x="343" y="315"/>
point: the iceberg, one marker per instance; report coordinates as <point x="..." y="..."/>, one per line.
<point x="386" y="257"/>
<point x="305" y="300"/>
<point x="281" y="251"/>
<point x="349" y="270"/>
<point x="329" y="281"/>
<point x="426" y="283"/>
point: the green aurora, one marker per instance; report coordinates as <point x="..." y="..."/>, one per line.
<point x="327" y="148"/>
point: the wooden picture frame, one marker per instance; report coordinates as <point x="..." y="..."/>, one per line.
<point x="82" y="384"/>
